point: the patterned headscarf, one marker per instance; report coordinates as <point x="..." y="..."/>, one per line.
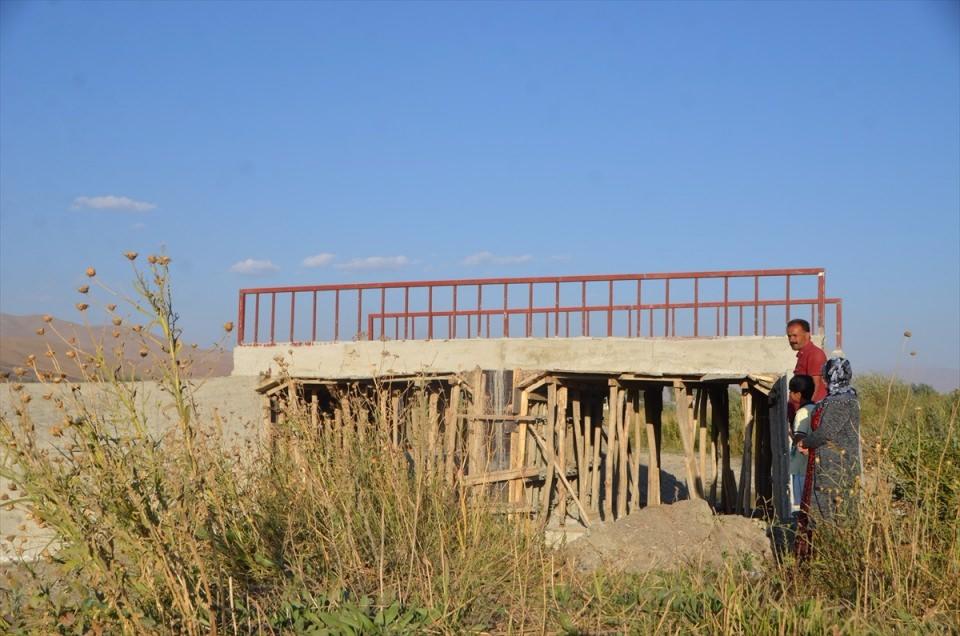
<point x="837" y="373"/>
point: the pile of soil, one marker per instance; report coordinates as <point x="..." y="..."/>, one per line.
<point x="669" y="536"/>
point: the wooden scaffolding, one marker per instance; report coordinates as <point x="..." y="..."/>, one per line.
<point x="555" y="444"/>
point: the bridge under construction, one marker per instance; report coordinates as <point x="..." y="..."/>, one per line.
<point x="550" y="393"/>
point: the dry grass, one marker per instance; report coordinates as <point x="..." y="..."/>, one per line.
<point x="174" y="534"/>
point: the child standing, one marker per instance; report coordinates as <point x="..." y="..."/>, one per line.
<point x="801" y="392"/>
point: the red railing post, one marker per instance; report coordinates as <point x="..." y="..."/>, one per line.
<point x="293" y="309"/>
<point x="336" y="316"/>
<point x="556" y="309"/>
<point x="506" y="316"/>
<point x="696" y="308"/>
<point x="383" y="310"/>
<point x="430" y="312"/>
<point x="360" y="316"/>
<point x="610" y="312"/>
<point x="454" y="326"/>
<point x="406" y="312"/>
<point x="756" y="305"/>
<point x="313" y="331"/>
<point x="787" y="309"/>
<point x="529" y="310"/>
<point x="726" y="308"/>
<point x="241" y="318"/>
<point x="666" y="310"/>
<point x="273" y="314"/>
<point x="821" y="304"/>
<point x="839" y="338"/>
<point x="256" y="319"/>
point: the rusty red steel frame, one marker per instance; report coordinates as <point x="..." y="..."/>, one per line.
<point x="646" y="313"/>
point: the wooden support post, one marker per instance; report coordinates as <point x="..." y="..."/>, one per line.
<point x="701" y="421"/>
<point x="764" y="455"/>
<point x="682" y="396"/>
<point x="475" y="428"/>
<point x="452" y="427"/>
<point x="395" y="417"/>
<point x="579" y="456"/>
<point x="550" y="451"/>
<point x="563" y="479"/>
<point x="314" y="410"/>
<point x="611" y="451"/>
<point x="637" y="443"/>
<point x="623" y="463"/>
<point x="561" y="424"/>
<point x="433" y="429"/>
<point x="744" y="494"/>
<point x="517" y="493"/>
<point x="720" y="402"/>
<point x="653" y="414"/>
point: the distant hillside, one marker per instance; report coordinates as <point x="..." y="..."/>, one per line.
<point x="19" y="339"/>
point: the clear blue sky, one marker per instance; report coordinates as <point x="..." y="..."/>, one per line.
<point x="561" y="138"/>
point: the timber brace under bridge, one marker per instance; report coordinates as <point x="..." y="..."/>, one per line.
<point x="551" y="394"/>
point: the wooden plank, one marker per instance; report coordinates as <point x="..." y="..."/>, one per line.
<point x="637" y="444"/>
<point x="314" y="411"/>
<point x="623" y="462"/>
<point x="395" y="418"/>
<point x="653" y="414"/>
<point x="452" y="427"/>
<point x="433" y="429"/>
<point x="509" y="474"/>
<point x="517" y="488"/>
<point x="595" y="467"/>
<point x="682" y="400"/>
<point x="579" y="457"/>
<point x="701" y="422"/>
<point x="584" y="517"/>
<point x="611" y="451"/>
<point x="746" y="464"/>
<point x="561" y="423"/>
<point x="491" y="417"/>
<point x="474" y="434"/>
<point x="549" y="453"/>
<point x="764" y="456"/>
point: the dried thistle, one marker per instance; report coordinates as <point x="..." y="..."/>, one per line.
<point x="143" y="352"/>
<point x="47" y="318"/>
<point x="82" y="306"/>
<point x="41" y="331"/>
<point x="117" y="321"/>
<point x="130" y="255"/>
<point x="111" y="307"/>
<point x="83" y="289"/>
<point x="91" y="272"/>
<point x="228" y="326"/>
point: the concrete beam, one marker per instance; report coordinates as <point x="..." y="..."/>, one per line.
<point x="736" y="356"/>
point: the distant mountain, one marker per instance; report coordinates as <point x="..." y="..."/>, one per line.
<point x="23" y="336"/>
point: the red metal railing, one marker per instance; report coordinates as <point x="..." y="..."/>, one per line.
<point x="688" y="304"/>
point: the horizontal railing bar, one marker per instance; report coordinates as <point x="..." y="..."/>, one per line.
<point x="597" y="308"/>
<point x="746" y="273"/>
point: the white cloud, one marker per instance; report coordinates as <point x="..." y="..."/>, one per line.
<point x="375" y="262"/>
<point x="253" y="267"/>
<point x="489" y="258"/>
<point x="318" y="260"/>
<point x="111" y="202"/>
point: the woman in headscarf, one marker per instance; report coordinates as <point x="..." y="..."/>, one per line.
<point x="835" y="461"/>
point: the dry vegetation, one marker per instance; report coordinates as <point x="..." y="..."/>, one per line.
<point x="174" y="534"/>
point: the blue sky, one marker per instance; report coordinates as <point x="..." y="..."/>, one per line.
<point x="560" y="138"/>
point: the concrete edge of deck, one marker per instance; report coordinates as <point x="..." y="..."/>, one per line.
<point x="664" y="356"/>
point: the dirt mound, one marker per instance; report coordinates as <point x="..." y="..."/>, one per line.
<point x="665" y="537"/>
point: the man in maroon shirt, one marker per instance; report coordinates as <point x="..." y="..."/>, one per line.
<point x="810" y="357"/>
